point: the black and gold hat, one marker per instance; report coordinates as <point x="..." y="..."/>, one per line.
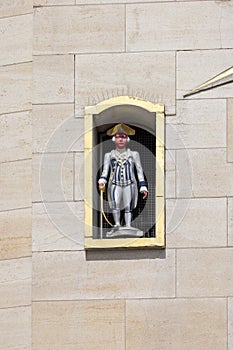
<point x="121" y="129"/>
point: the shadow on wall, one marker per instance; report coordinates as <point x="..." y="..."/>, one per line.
<point x="123" y="254"/>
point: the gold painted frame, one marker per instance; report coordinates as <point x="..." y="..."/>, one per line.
<point x="154" y="242"/>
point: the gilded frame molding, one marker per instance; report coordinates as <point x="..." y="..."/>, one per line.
<point x="155" y="242"/>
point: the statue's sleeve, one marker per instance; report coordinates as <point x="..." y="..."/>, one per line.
<point x="104" y="175"/>
<point x="141" y="179"/>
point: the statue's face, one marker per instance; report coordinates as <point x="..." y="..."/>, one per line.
<point x="120" y="140"/>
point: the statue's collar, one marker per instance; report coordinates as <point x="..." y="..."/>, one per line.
<point x="121" y="150"/>
<point x="121" y="154"/>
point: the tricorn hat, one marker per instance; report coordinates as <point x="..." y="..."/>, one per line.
<point x="121" y="129"/>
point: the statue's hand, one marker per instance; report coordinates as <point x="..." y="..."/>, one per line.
<point x="144" y="194"/>
<point x="102" y="186"/>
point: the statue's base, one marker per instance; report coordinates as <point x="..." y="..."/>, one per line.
<point x="124" y="232"/>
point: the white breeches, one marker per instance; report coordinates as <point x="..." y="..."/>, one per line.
<point x="122" y="197"/>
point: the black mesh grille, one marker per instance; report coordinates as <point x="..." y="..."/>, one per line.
<point x="144" y="141"/>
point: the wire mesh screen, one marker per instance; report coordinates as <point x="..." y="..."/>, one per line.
<point x="143" y="216"/>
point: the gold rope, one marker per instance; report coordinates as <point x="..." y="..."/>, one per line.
<point x="102" y="207"/>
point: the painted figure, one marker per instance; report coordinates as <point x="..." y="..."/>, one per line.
<point x="122" y="185"/>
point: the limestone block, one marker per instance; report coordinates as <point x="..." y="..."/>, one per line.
<point x="203" y="173"/>
<point x="115" y="75"/>
<point x="177" y="324"/>
<point x="198" y="0"/>
<point x="15" y="328"/>
<point x="53" y="2"/>
<point x="194" y="68"/>
<point x="230" y="221"/>
<point x="15" y="228"/>
<point x="15" y="88"/>
<point x="15" y="325"/>
<point x="196" y="222"/>
<point x="15" y="282"/>
<point x="230" y="130"/>
<point x="58" y="226"/>
<point x="15" y="184"/>
<point x="198" y="124"/>
<point x="83" y="325"/>
<point x="84" y="2"/>
<point x="107" y="275"/>
<point x="53" y="79"/>
<point x="79" y="29"/>
<point x="155" y="27"/>
<point x="230" y="326"/>
<point x="15" y="7"/>
<point x="170" y="174"/>
<point x="79" y="176"/>
<point x="52" y="177"/>
<point x="56" y="130"/>
<point x="16" y="39"/>
<point x="16" y="136"/>
<point x="204" y="272"/>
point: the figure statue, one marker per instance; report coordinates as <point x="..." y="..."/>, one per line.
<point x="122" y="185"/>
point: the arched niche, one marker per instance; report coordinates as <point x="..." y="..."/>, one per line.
<point x="146" y="117"/>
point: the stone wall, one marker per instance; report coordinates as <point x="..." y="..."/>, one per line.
<point x="83" y="53"/>
<point x="16" y="19"/>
